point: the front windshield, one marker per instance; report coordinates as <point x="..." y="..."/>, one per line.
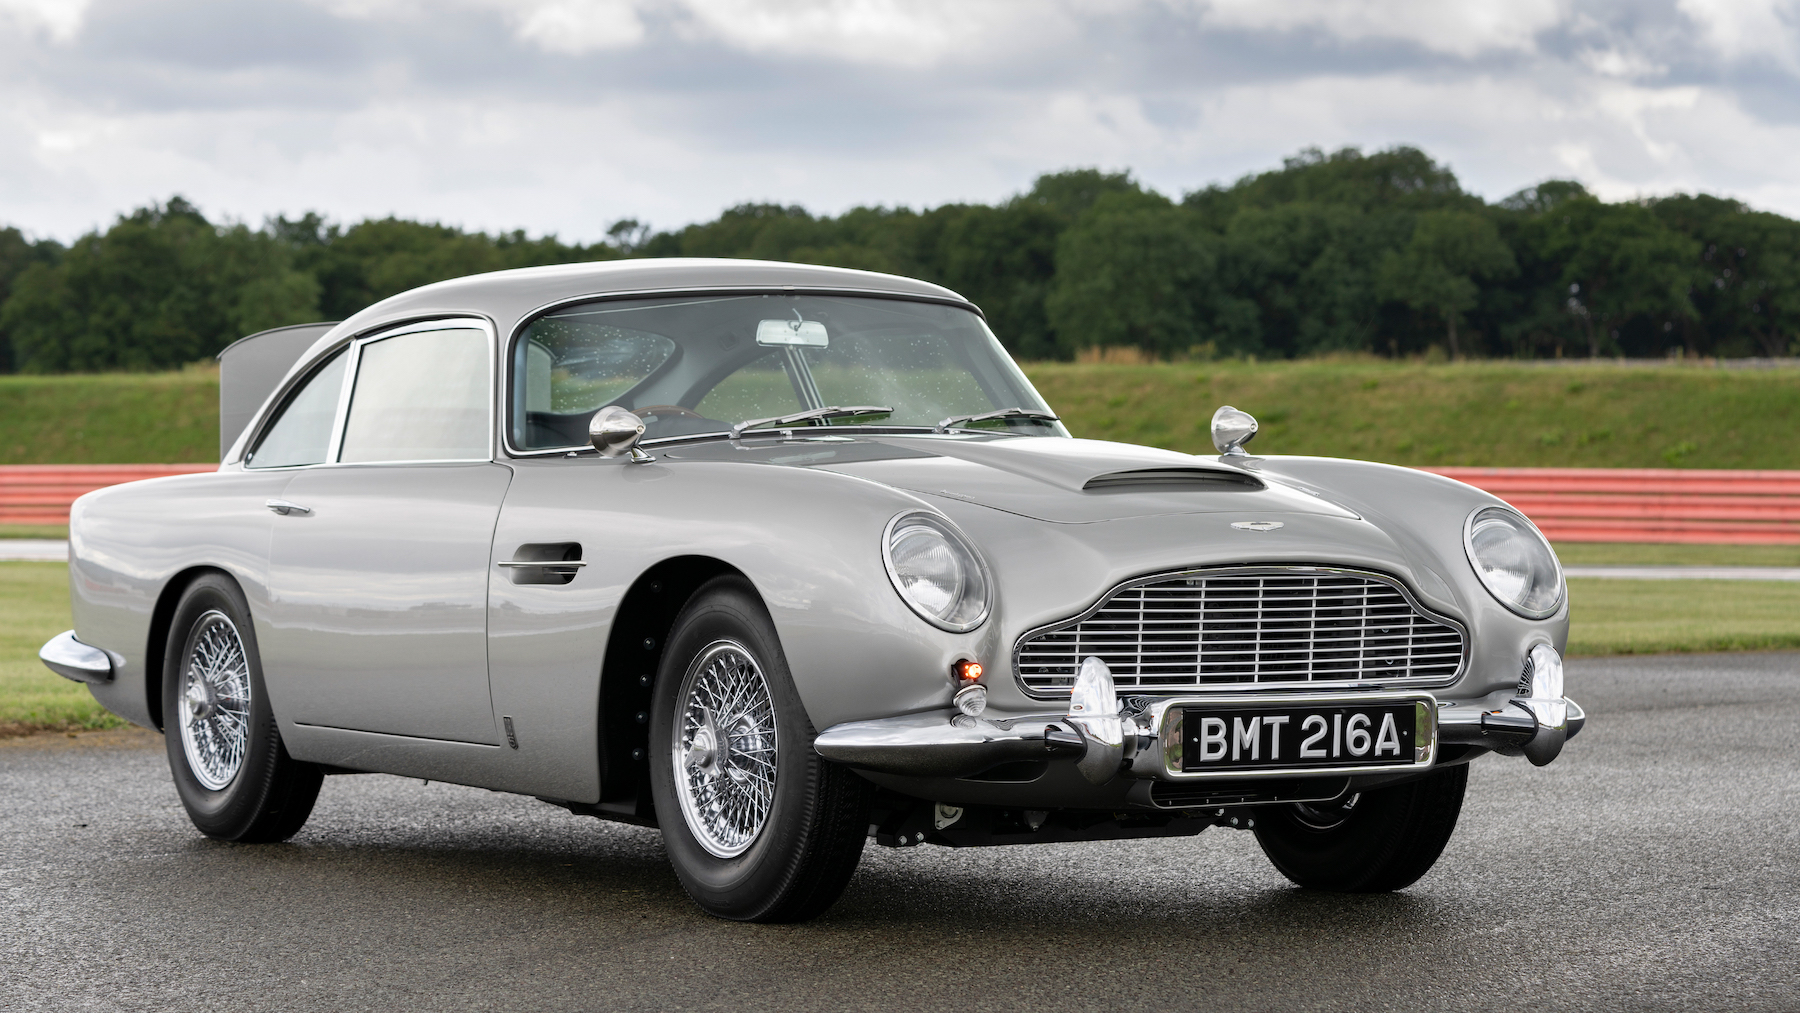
<point x="698" y="365"/>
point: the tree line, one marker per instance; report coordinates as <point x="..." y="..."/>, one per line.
<point x="1345" y="251"/>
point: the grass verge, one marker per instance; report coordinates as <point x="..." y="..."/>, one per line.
<point x="34" y="531"/>
<point x="34" y="606"/>
<point x="1680" y="616"/>
<point x="1630" y="554"/>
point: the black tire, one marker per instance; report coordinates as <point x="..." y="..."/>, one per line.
<point x="800" y="857"/>
<point x="1373" y="842"/>
<point x="269" y="794"/>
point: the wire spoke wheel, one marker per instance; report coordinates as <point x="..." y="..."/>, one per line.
<point x="724" y="749"/>
<point x="214" y="701"/>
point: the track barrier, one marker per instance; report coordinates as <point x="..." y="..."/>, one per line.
<point x="1649" y="504"/>
<point x="1567" y="504"/>
<point x="41" y="493"/>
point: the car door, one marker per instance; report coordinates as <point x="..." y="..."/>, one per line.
<point x="378" y="562"/>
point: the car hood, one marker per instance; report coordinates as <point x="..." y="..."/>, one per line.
<point x="1062" y="481"/>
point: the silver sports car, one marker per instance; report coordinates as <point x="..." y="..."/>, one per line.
<point x="781" y="558"/>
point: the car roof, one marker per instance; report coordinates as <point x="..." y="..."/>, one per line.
<point x="508" y="297"/>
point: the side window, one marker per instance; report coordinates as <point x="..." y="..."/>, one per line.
<point x="302" y="431"/>
<point x="421" y="396"/>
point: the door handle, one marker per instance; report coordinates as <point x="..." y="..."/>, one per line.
<point x="284" y="508"/>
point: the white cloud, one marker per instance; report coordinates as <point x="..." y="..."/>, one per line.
<point x="669" y="110"/>
<point x="1458" y="27"/>
<point x="579" y="26"/>
<point x="60" y="18"/>
<point x="907" y="33"/>
<point x="1748" y="28"/>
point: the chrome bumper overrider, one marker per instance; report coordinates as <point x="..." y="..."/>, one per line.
<point x="1107" y="741"/>
<point x="72" y="659"/>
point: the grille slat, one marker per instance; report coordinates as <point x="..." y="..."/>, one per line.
<point x="1236" y="629"/>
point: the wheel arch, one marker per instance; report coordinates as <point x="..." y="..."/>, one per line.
<point x="634" y="649"/>
<point x="161" y="616"/>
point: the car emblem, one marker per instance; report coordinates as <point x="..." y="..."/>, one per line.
<point x="1256" y="525"/>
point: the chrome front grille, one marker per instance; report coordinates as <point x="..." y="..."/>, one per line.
<point x="1248" y="627"/>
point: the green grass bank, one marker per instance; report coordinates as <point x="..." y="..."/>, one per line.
<point x="1492" y="413"/>
<point x="110" y="418"/>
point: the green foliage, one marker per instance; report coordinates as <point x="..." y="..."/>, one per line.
<point x="1133" y="271"/>
<point x="160" y="288"/>
<point x="1332" y="252"/>
<point x="1436" y="270"/>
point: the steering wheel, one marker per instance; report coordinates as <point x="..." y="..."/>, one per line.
<point x="667" y="409"/>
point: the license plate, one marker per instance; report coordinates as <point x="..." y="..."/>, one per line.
<point x="1261" y="737"/>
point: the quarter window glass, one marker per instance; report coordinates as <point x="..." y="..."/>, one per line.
<point x="302" y="432"/>
<point x="420" y="397"/>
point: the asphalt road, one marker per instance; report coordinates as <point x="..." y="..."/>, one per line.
<point x="1655" y="866"/>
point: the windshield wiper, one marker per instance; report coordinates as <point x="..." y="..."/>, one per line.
<point x="827" y="412"/>
<point x="960" y="421"/>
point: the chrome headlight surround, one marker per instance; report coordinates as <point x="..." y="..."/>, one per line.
<point x="1516" y="583"/>
<point x="961" y="575"/>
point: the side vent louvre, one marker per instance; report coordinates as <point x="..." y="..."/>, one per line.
<point x="1168" y="479"/>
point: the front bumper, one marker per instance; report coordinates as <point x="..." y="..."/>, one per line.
<point x="1106" y="741"/>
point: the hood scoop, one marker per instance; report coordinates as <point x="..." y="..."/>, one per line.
<point x="1171" y="480"/>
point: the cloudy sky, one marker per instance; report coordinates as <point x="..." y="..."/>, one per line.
<point x="565" y="115"/>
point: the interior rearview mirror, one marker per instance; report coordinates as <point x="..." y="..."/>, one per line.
<point x="794" y="333"/>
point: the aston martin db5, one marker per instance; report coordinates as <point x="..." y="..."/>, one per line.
<point x="783" y="559"/>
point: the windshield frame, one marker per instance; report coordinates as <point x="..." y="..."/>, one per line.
<point x="509" y="386"/>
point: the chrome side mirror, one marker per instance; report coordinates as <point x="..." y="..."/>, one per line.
<point x="615" y="431"/>
<point x="1231" y="429"/>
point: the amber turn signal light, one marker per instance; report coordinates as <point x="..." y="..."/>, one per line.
<point x="967" y="671"/>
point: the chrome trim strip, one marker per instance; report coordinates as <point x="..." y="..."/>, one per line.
<point x="542" y="564"/>
<point x="1251" y="571"/>
<point x="72" y="659"/>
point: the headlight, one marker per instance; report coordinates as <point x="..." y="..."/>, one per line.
<point x="1514" y="562"/>
<point x="936" y="571"/>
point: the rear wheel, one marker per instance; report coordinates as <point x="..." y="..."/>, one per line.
<point x="758" y="826"/>
<point x="234" y="777"/>
<point x="1369" y="842"/>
